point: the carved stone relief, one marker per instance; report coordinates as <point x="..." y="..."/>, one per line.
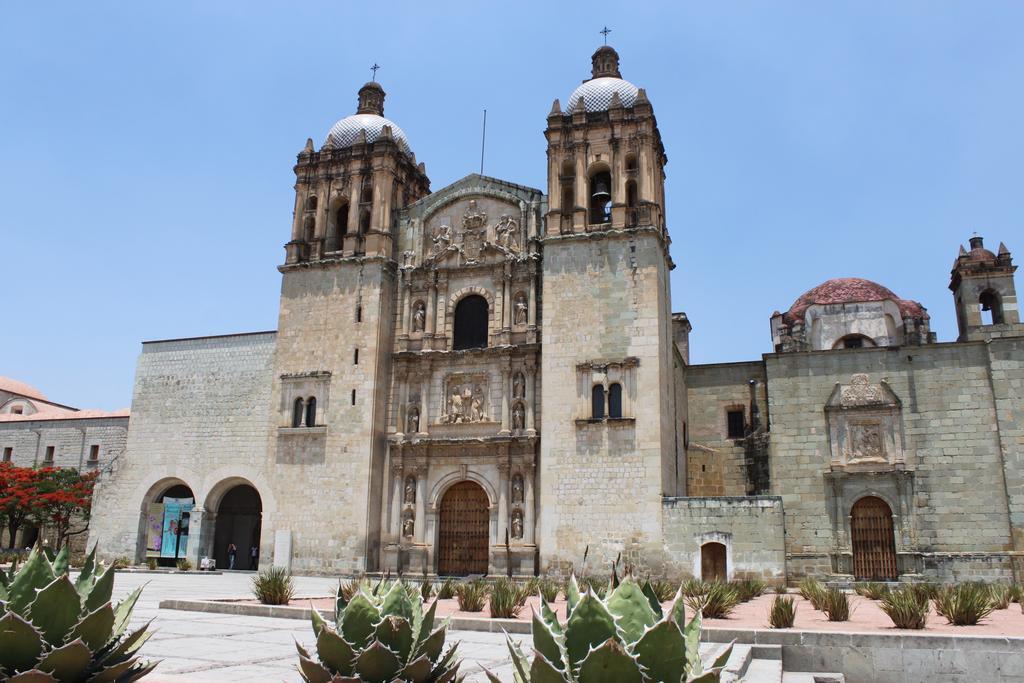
<point x="506" y="234"/>
<point x="414" y="419"/>
<point x="865" y="442"/>
<point x="419" y="316"/>
<point x="408" y="523"/>
<point x="517" y="523"/>
<point x="410" y="490"/>
<point x="465" y="400"/>
<point x="521" y="309"/>
<point x="518" y="416"/>
<point x="865" y="426"/>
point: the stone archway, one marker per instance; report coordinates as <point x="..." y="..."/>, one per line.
<point x="874" y="541"/>
<point x="239" y="518"/>
<point x="713" y="562"/>
<point x="166" y="522"/>
<point x="463" y="538"/>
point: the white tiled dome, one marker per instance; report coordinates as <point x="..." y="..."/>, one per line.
<point x="597" y="93"/>
<point x="345" y="133"/>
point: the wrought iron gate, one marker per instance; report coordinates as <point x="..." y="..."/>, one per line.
<point x="465" y="523"/>
<point x="874" y="544"/>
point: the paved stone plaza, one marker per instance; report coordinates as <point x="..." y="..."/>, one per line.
<point x="195" y="646"/>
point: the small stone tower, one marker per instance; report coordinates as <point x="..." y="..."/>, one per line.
<point x="983" y="290"/>
<point x="335" y="336"/>
<point x="609" y="452"/>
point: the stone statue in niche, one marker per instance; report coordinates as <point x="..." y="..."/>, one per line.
<point x="517" y="488"/>
<point x="518" y="386"/>
<point x="517" y="523"/>
<point x="408" y="525"/>
<point x="419" y="316"/>
<point x="410" y="490"/>
<point x="407" y="259"/>
<point x="518" y="415"/>
<point x="521" y="309"/>
<point x="505" y="233"/>
<point x="466" y="403"/>
<point x="414" y="420"/>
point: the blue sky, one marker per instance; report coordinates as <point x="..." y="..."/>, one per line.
<point x="146" y="150"/>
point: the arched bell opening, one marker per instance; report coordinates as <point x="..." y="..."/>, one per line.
<point x="600" y="197"/>
<point x="991" y="308"/>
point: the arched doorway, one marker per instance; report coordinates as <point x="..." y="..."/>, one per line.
<point x="463" y="539"/>
<point x="166" y="524"/>
<point x="239" y="519"/>
<point x="712" y="562"/>
<point x="874" y="544"/>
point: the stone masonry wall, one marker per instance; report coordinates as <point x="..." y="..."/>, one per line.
<point x="715" y="463"/>
<point x="751" y="528"/>
<point x="951" y="443"/>
<point x="1006" y="365"/>
<point x="199" y="413"/>
<point x="601" y="482"/>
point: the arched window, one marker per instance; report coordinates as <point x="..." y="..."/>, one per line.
<point x="366" y="196"/>
<point x="614" y="400"/>
<point x="597" y="402"/>
<point x="601" y="197"/>
<point x="297" y="409"/>
<point x="341" y="219"/>
<point x="311" y="411"/>
<point x="991" y="308"/>
<point x="311" y="202"/>
<point x="854" y="341"/>
<point x="337" y="227"/>
<point x="568" y="199"/>
<point x="630" y="162"/>
<point x="471" y="323"/>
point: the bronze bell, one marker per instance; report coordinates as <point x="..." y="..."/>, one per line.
<point x="601" y="193"/>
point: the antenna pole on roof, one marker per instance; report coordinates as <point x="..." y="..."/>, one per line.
<point x="483" y="143"/>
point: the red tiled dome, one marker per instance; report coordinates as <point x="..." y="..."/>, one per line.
<point x="848" y="290"/>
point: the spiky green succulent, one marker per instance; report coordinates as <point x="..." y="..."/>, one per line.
<point x="380" y="634"/>
<point x="53" y="629"/>
<point x="625" y="638"/>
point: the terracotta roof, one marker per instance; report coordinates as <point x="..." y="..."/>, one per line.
<point x="848" y="290"/>
<point x="54" y="413"/>
<point x="15" y="387"/>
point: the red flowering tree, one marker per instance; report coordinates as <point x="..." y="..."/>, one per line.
<point x="19" y="490"/>
<point x="63" y="501"/>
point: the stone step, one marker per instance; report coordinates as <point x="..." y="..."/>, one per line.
<point x="736" y="666"/>
<point x="807" y="677"/>
<point x="763" y="671"/>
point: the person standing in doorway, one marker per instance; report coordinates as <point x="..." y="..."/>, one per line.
<point x="254" y="555"/>
<point x="232" y="551"/>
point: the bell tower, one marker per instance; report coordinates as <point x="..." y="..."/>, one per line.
<point x="609" y="452"/>
<point x="335" y="336"/>
<point x="984" y="293"/>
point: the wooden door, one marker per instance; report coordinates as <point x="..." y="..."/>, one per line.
<point x="874" y="544"/>
<point x="465" y="524"/>
<point x="712" y="562"/>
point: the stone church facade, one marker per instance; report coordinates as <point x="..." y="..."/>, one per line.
<point x="489" y="377"/>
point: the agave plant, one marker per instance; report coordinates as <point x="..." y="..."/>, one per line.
<point x="53" y="629"/>
<point x="379" y="635"/>
<point x="626" y="638"/>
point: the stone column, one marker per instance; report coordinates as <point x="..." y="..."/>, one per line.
<point x="198" y="536"/>
<point x="505" y="385"/>
<point x="401" y="410"/>
<point x="425" y="401"/>
<point x="528" y="522"/>
<point x="398" y="475"/>
<point x="302" y="418"/>
<point x="421" y="495"/>
<point x="582" y="184"/>
<point x="528" y="400"/>
<point x="431" y="309"/>
<point x="503" y="518"/>
<point x="531" y="300"/>
<point x="506" y="298"/>
<point x="406" y="308"/>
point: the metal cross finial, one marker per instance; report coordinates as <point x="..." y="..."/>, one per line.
<point x="605" y="31"/>
<point x="374" y="70"/>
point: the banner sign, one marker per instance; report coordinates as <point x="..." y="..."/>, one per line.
<point x="154" y="529"/>
<point x="177" y="512"/>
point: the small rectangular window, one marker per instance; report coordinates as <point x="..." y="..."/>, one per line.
<point x="355" y="357"/>
<point x="359" y="314"/>
<point x="8" y="453"/>
<point x="49" y="454"/>
<point x="17" y="410"/>
<point x="353" y="397"/>
<point x="94" y="453"/>
<point x="734" y="423"/>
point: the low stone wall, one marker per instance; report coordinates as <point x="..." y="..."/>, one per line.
<point x="750" y="527"/>
<point x="892" y="657"/>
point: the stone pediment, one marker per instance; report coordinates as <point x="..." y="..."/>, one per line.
<point x="861" y="393"/>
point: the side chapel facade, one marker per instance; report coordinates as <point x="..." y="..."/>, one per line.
<point x="490" y="378"/>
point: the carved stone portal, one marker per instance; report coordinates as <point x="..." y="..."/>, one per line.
<point x="465" y="400"/>
<point x="865" y="426"/>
